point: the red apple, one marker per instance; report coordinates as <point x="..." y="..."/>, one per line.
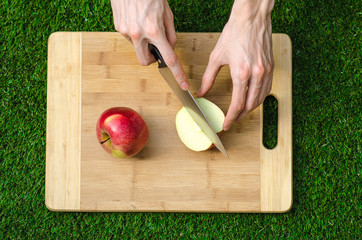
<point x="122" y="132"/>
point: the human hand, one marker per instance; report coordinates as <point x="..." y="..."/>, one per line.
<point x="149" y="21"/>
<point x="245" y="44"/>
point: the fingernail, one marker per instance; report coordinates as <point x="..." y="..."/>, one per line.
<point x="184" y="86"/>
<point x="199" y="93"/>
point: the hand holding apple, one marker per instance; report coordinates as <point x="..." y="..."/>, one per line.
<point x="122" y="132"/>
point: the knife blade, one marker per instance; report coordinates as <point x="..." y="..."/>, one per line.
<point x="187" y="101"/>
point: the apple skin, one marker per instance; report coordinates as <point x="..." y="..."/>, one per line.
<point x="122" y="132"/>
<point x="213" y="145"/>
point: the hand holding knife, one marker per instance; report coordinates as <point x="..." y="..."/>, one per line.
<point x="187" y="100"/>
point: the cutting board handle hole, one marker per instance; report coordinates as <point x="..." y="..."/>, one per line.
<point x="270" y="122"/>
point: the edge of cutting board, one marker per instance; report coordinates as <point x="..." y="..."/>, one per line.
<point x="276" y="164"/>
<point x="63" y="138"/>
<point x="62" y="183"/>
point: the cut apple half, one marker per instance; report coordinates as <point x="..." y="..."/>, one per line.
<point x="190" y="133"/>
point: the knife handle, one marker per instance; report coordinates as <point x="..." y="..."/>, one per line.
<point x="156" y="53"/>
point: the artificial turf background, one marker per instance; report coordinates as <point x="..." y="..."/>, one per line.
<point x="326" y="37"/>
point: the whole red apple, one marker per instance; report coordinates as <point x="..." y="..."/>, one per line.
<point x="122" y="132"/>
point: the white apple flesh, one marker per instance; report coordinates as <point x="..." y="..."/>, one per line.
<point x="190" y="133"/>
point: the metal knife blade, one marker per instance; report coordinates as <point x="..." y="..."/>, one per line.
<point x="188" y="102"/>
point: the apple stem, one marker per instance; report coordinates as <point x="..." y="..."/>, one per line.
<point x="105" y="140"/>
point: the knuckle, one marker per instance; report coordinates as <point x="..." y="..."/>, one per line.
<point x="241" y="77"/>
<point x="135" y="35"/>
<point x="152" y="31"/>
<point x="239" y="81"/>
<point x="180" y="77"/>
<point x="135" y="32"/>
<point x="171" y="60"/>
<point x="123" y="30"/>
<point x="243" y="72"/>
<point x="259" y="70"/>
<point x="173" y="41"/>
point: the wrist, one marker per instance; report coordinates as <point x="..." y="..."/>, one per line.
<point x="245" y="11"/>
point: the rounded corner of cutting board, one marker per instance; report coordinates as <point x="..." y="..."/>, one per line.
<point x="283" y="36"/>
<point x="50" y="205"/>
<point x="288" y="207"/>
<point x="282" y="209"/>
<point x="54" y="35"/>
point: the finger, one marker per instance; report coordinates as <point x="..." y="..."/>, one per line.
<point x="123" y="23"/>
<point x="173" y="63"/>
<point x="120" y="18"/>
<point x="252" y="95"/>
<point x="209" y="76"/>
<point x="236" y="105"/>
<point x="115" y="13"/>
<point x="170" y="29"/>
<point x="270" y="84"/>
<point x="265" y="89"/>
<point x="262" y="94"/>
<point x="143" y="54"/>
<point x="240" y="77"/>
<point x="266" y="85"/>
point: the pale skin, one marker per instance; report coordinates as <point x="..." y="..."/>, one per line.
<point x="245" y="44"/>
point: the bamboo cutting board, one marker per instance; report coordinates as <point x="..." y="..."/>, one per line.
<point x="89" y="72"/>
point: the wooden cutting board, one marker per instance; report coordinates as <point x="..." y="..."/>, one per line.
<point x="89" y="72"/>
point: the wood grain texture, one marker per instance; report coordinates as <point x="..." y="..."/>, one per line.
<point x="165" y="175"/>
<point x="62" y="183"/>
<point x="276" y="164"/>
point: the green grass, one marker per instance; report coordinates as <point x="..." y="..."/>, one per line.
<point x="326" y="39"/>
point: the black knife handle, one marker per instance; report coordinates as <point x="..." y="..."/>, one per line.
<point x="156" y="53"/>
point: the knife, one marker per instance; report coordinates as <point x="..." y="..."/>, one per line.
<point x="187" y="101"/>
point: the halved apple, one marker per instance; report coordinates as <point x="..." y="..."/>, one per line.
<point x="190" y="133"/>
